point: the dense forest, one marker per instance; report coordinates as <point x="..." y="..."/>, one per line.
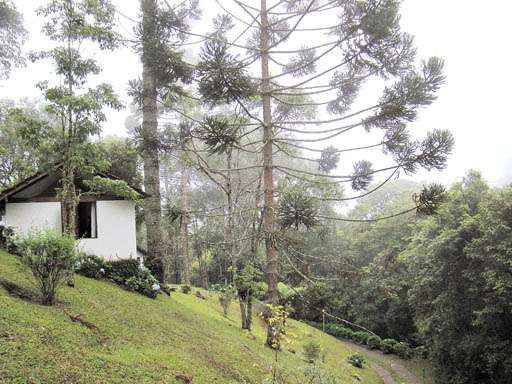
<point x="248" y="195"/>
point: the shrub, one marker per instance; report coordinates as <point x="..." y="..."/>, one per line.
<point x="186" y="289"/>
<point x="121" y="270"/>
<point x="144" y="283"/>
<point x="357" y="360"/>
<point x="92" y="266"/>
<point x="260" y="290"/>
<point x="226" y="296"/>
<point x="374" y="342"/>
<point x="312" y="351"/>
<point x="421" y="352"/>
<point x="402" y="350"/>
<point x="51" y="257"/>
<point x="361" y="337"/>
<point x="388" y="346"/>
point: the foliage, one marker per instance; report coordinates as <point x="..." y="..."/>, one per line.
<point x="275" y="317"/>
<point x="297" y="209"/>
<point x="226" y="297"/>
<point x="374" y="342"/>
<point x="12" y="37"/>
<point x="403" y="350"/>
<point x="312" y="351"/>
<point x="461" y="288"/>
<point x="119" y="188"/>
<point x="144" y="283"/>
<point x="51" y="257"/>
<point x="121" y="270"/>
<point x="186" y="289"/>
<point x="93" y="266"/>
<point x="388" y="345"/>
<point x="357" y="360"/>
<point x="125" y="272"/>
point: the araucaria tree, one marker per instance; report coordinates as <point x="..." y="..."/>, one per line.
<point x="76" y="109"/>
<point x="164" y="72"/>
<point x="305" y="62"/>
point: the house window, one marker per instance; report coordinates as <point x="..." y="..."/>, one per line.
<point x="87" y="227"/>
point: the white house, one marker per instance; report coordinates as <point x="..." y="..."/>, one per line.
<point x="105" y="223"/>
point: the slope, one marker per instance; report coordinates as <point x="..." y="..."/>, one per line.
<point x="100" y="333"/>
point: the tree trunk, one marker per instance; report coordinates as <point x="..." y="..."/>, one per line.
<point x="152" y="206"/>
<point x="229" y="223"/>
<point x="184" y="183"/>
<point x="68" y="201"/>
<point x="268" y="177"/>
<point x="245" y="301"/>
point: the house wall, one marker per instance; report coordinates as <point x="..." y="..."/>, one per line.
<point x="116" y="225"/>
<point x="25" y="217"/>
<point x="116" y="231"/>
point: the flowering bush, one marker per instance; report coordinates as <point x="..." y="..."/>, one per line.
<point x="51" y="257"/>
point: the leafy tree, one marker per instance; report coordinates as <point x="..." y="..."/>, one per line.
<point x="77" y="109"/>
<point x="462" y="288"/>
<point x="18" y="158"/>
<point x="12" y="37"/>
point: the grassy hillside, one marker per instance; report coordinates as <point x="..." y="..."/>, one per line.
<point x="127" y="338"/>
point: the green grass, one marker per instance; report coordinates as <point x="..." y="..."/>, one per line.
<point x="140" y="340"/>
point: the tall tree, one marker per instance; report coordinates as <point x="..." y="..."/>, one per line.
<point x="78" y="110"/>
<point x="164" y="70"/>
<point x="363" y="41"/>
<point x="12" y="37"/>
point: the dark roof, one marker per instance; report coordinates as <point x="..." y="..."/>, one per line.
<point x="6" y="193"/>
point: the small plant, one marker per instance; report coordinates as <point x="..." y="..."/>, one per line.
<point x="388" y="346"/>
<point x="51" y="257"/>
<point x="403" y="350"/>
<point x="121" y="270"/>
<point x="361" y="337"/>
<point x="312" y="351"/>
<point x="186" y="289"/>
<point x="226" y="296"/>
<point x="275" y="316"/>
<point x="357" y="360"/>
<point x="314" y="374"/>
<point x="374" y="342"/>
<point x="92" y="266"/>
<point x="144" y="283"/>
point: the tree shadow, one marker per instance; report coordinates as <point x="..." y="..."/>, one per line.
<point x="19" y="292"/>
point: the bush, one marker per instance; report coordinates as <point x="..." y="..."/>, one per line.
<point x="51" y="257"/>
<point x="186" y="289"/>
<point x="144" y="283"/>
<point x="421" y="352"/>
<point x="226" y="296"/>
<point x="357" y="360"/>
<point x="388" y="346"/>
<point x="402" y="350"/>
<point x="92" y="266"/>
<point x="312" y="351"/>
<point x="121" y="270"/>
<point x="361" y="337"/>
<point x="374" y="342"/>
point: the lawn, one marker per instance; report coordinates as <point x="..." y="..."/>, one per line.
<point x="122" y="337"/>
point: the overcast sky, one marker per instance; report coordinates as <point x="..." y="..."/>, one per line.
<point x="472" y="36"/>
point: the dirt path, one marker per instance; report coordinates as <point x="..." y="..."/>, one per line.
<point x="383" y="374"/>
<point x="385" y="363"/>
